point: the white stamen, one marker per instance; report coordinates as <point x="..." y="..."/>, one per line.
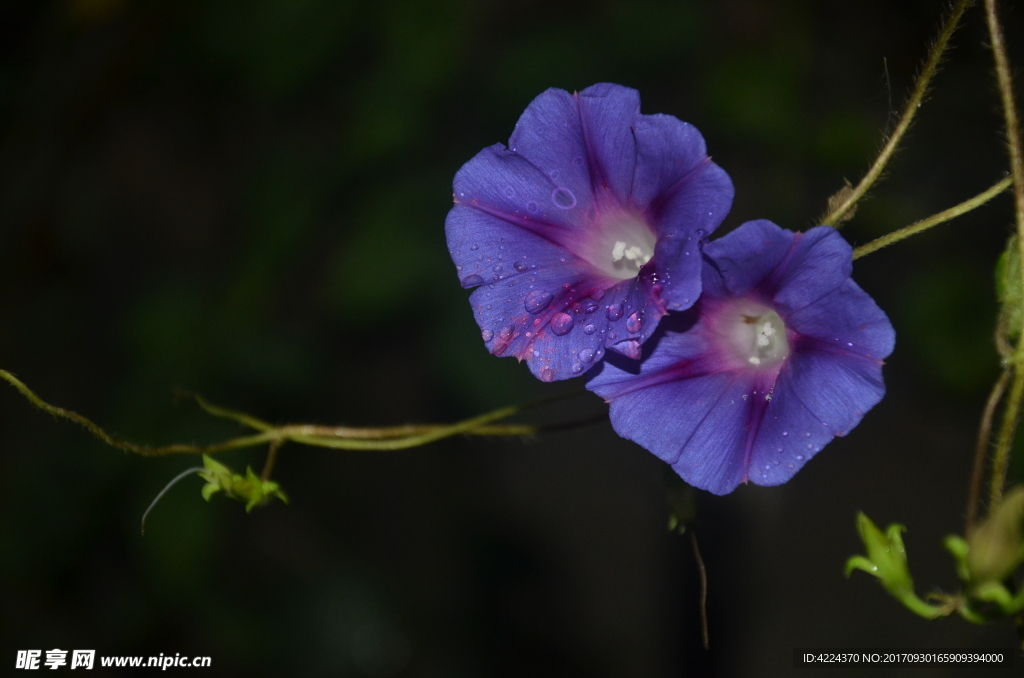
<point x="754" y="360"/>
<point x="618" y="250"/>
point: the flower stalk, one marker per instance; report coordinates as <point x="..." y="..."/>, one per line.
<point x="843" y="211"/>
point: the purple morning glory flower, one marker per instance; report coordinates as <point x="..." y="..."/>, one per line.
<point x="782" y="353"/>
<point x="586" y="230"/>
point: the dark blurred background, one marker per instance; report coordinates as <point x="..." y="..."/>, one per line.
<point x="247" y="200"/>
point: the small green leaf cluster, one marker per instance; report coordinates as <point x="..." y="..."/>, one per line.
<point x="248" y="488"/>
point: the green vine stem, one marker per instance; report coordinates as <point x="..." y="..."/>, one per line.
<point x="391" y="438"/>
<point x="934" y="220"/>
<point x="841" y="212"/>
<point x="981" y="448"/>
<point x="1001" y="457"/>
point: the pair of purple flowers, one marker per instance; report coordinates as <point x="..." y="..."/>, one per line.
<point x="733" y="360"/>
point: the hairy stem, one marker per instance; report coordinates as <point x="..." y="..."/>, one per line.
<point x="934" y="220"/>
<point x="982" y="446"/>
<point x="931" y="65"/>
<point x="1004" y="443"/>
<point x="393" y="438"/>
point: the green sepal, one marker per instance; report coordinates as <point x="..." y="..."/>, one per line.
<point x="887" y="559"/>
<point x="249" y="488"/>
<point x="958" y="548"/>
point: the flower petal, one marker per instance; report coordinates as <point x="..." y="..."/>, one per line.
<point x="790" y="269"/>
<point x="502" y="183"/>
<point x="846" y="321"/>
<point x="607" y="113"/>
<point x="697" y="424"/>
<point x="549" y="135"/>
<point x="818" y="396"/>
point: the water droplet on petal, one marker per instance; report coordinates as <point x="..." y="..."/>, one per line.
<point x="799" y="457"/>
<point x="589" y="329"/>
<point x="506" y="332"/>
<point x="785" y="433"/>
<point x="487" y="335"/>
<point x="578" y="161"/>
<point x="553" y="174"/>
<point x="810" y="447"/>
<point x="472" y="281"/>
<point x="577" y="368"/>
<point x="474" y="248"/>
<point x="531" y="207"/>
<point x="789" y="465"/>
<point x="614" y="311"/>
<point x="563" y="198"/>
<point x="509" y="191"/>
<point x="586" y="354"/>
<point x="536" y="301"/>
<point x="633" y="323"/>
<point x="807" y="435"/>
<point x="561" y="324"/>
<point x="520" y="266"/>
<point x="547" y="374"/>
<point x="589" y="308"/>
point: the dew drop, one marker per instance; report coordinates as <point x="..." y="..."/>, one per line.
<point x="799" y="457"/>
<point x="563" y="198"/>
<point x="612" y="336"/>
<point x="577" y="367"/>
<point x="776" y="462"/>
<point x="531" y="207"/>
<point x="590" y="308"/>
<point x="789" y="465"/>
<point x="614" y="311"/>
<point x="506" y="332"/>
<point x="472" y="281"/>
<point x="586" y="354"/>
<point x="498" y="268"/>
<point x="474" y="248"/>
<point x="520" y="266"/>
<point x="785" y="433"/>
<point x="547" y="374"/>
<point x="578" y="161"/>
<point x="589" y="329"/>
<point x="509" y="191"/>
<point x="487" y="335"/>
<point x="561" y="324"/>
<point x="807" y="435"/>
<point x="553" y="174"/>
<point x="536" y="301"/>
<point x="633" y="323"/>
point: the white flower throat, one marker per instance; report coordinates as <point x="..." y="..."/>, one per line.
<point x="758" y="336"/>
<point x="619" y="244"/>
